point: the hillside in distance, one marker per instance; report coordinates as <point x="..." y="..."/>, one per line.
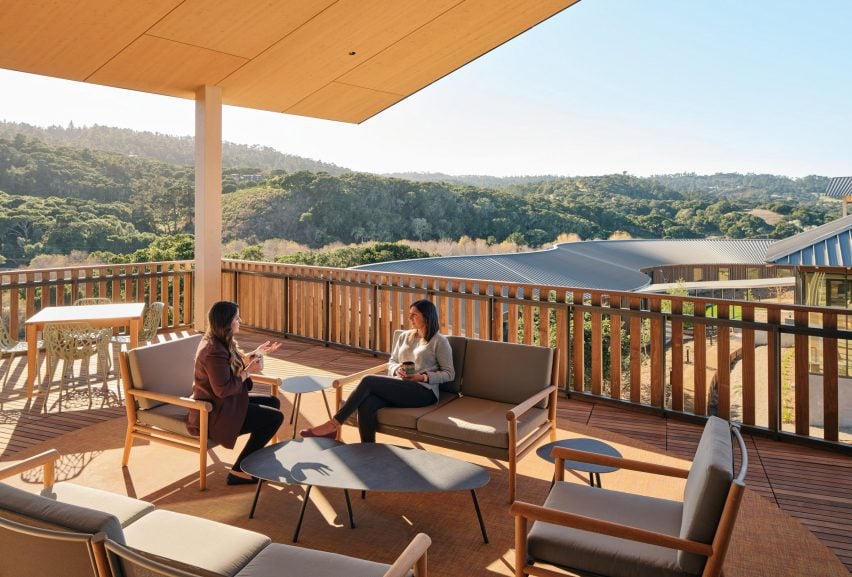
<point x="719" y="185"/>
<point x="55" y="199"/>
<point x="175" y="150"/>
<point x="745" y="185"/>
<point x="480" y="180"/>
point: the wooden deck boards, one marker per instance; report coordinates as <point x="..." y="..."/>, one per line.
<point x="812" y="485"/>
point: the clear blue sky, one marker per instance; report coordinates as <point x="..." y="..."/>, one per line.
<point x="646" y="87"/>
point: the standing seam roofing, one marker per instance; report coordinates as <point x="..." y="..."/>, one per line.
<point x="597" y="264"/>
<point x="840" y="186"/>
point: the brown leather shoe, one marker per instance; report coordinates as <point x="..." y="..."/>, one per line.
<point x="310" y="433"/>
<point x="237" y="480"/>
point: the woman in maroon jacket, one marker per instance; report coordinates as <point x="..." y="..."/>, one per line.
<point x="222" y="378"/>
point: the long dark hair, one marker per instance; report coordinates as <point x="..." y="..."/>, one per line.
<point x="430" y="315"/>
<point x="219" y="319"/>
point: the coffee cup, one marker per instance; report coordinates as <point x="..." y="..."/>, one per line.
<point x="408" y="367"/>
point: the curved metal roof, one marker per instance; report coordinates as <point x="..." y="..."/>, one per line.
<point x="596" y="264"/>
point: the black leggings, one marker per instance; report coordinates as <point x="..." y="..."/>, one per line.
<point x="375" y="392"/>
<point x="263" y="420"/>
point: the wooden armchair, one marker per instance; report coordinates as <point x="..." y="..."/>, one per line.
<point x="603" y="532"/>
<point x="157" y="380"/>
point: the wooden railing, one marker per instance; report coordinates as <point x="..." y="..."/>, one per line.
<point x="25" y="292"/>
<point x="778" y="367"/>
<point x="753" y="362"/>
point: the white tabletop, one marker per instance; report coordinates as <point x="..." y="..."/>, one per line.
<point x="87" y="313"/>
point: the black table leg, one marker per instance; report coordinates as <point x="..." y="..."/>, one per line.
<point x="302" y="513"/>
<point x="295" y="416"/>
<point x="598" y="477"/>
<point x="256" y="495"/>
<point x="479" y="516"/>
<point x="349" y="509"/>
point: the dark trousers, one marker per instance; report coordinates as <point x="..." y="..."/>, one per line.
<point x="375" y="392"/>
<point x="263" y="420"/>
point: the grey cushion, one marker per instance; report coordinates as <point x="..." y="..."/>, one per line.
<point x="164" y="367"/>
<point x="706" y="489"/>
<point x="506" y="372"/>
<point x="185" y="541"/>
<point x="459" y="346"/>
<point x="167" y="417"/>
<point x="32" y="509"/>
<point x="125" y="509"/>
<point x="601" y="554"/>
<point x="479" y="421"/>
<point x="289" y="561"/>
<point x="407" y="417"/>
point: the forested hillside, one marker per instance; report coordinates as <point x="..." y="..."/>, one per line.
<point x="480" y="180"/>
<point x="59" y="199"/>
<point x="745" y="185"/>
<point x="174" y="150"/>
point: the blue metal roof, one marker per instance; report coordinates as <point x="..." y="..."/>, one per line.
<point x="826" y="245"/>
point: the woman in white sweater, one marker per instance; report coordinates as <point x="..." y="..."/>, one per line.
<point x="433" y="364"/>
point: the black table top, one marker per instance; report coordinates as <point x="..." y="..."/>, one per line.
<point x="363" y="466"/>
<point x="589" y="445"/>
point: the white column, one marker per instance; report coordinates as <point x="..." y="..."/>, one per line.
<point x="208" y="202"/>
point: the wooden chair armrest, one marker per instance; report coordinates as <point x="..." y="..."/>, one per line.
<point x="545" y="515"/>
<point x="561" y="454"/>
<point x="342" y="381"/>
<point x="522" y="408"/>
<point x="413" y="556"/>
<point x="273" y="382"/>
<point x="187" y="402"/>
<point x="46" y="459"/>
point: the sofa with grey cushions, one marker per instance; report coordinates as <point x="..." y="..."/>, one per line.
<point x="503" y="399"/>
<point x="63" y="529"/>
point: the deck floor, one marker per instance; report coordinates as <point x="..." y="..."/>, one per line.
<point x="812" y="485"/>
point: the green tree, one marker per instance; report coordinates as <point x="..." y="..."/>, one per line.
<point x="354" y="256"/>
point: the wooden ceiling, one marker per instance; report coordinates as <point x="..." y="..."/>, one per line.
<point x="344" y="60"/>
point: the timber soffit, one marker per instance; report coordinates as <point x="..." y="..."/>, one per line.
<point x="344" y="60"/>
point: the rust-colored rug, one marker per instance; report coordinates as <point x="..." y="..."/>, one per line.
<point x="767" y="541"/>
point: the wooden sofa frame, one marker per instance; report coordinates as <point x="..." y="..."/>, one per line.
<point x="518" y="446"/>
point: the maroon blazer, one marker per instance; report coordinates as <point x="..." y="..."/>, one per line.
<point x="215" y="383"/>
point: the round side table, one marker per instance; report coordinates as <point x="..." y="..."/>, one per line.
<point x="305" y="384"/>
<point x="582" y="444"/>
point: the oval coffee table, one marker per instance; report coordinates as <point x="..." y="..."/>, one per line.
<point x="320" y="462"/>
<point x="582" y="444"/>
